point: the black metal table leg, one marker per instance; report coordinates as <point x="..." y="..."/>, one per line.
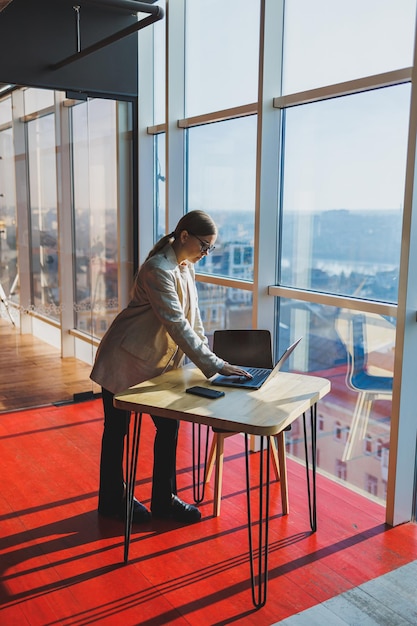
<point x="259" y="579"/>
<point x="198" y="481"/>
<point x="131" y="465"/>
<point x="311" y="488"/>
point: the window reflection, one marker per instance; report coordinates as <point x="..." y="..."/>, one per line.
<point x="95" y="214"/>
<point x="9" y="280"/>
<point x="357" y="412"/>
<point x="43" y="215"/>
<point x="224" y="307"/>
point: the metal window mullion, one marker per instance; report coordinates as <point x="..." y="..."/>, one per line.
<point x="126" y="200"/>
<point x="175" y="108"/>
<point x="403" y="435"/>
<point x="328" y="299"/>
<point x="359" y="85"/>
<point x="268" y="164"/>
<point x="65" y="225"/>
<point x="145" y="157"/>
<point x="22" y="209"/>
<point x="219" y="116"/>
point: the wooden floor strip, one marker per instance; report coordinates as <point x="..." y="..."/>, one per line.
<point x="34" y="374"/>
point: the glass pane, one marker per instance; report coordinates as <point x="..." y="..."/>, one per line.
<point x="9" y="285"/>
<point x="43" y="215"/>
<point x="159" y="67"/>
<point x="6" y="111"/>
<point x="221" y="181"/>
<point x="221" y="70"/>
<point x="159" y="191"/>
<point x="94" y="128"/>
<point x="326" y="42"/>
<point x="38" y="99"/>
<point x="355" y="351"/>
<point x="223" y="308"/>
<point x="344" y="175"/>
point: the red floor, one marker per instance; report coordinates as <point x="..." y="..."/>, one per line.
<point x="61" y="565"/>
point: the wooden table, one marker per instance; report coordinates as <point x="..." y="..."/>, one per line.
<point x="265" y="412"/>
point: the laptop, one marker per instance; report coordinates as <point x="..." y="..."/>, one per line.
<point x="260" y="375"/>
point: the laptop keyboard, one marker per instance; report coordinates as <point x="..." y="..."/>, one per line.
<point x="258" y="373"/>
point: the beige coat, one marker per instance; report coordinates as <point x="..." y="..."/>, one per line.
<point x="154" y="332"/>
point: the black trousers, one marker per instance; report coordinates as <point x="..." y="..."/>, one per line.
<point x="112" y="481"/>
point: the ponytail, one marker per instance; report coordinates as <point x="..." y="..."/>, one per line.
<point x="157" y="247"/>
<point x="161" y="244"/>
<point x="197" y="222"/>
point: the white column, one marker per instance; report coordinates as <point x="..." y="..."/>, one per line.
<point x="268" y="163"/>
<point x="65" y="230"/>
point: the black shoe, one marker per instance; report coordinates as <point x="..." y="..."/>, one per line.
<point x="141" y="515"/>
<point x="179" y="511"/>
<point x="140" y="512"/>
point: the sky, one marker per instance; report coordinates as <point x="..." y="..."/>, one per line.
<point x="343" y="153"/>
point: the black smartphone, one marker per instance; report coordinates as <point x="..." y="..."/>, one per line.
<point x="204" y="392"/>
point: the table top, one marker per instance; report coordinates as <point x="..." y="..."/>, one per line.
<point x="266" y="411"/>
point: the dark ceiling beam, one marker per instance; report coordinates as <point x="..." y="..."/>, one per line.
<point x="36" y="35"/>
<point x="156" y="13"/>
<point x="127" y="5"/>
<point x="4" y="3"/>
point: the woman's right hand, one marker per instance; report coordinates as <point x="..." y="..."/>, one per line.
<point x="234" y="370"/>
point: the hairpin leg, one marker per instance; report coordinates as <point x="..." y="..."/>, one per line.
<point x="311" y="488"/>
<point x="199" y="469"/>
<point x="131" y="466"/>
<point x="259" y="580"/>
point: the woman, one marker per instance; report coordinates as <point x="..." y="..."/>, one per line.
<point x="160" y="325"/>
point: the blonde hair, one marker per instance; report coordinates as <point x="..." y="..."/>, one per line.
<point x="196" y="222"/>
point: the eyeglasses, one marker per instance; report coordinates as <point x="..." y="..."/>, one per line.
<point x="205" y="247"/>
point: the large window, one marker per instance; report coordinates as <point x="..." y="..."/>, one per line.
<point x="9" y="280"/>
<point x="43" y="216"/>
<point x="221" y="174"/>
<point x="301" y="161"/>
<point x="355" y="351"/>
<point x="344" y="175"/>
<point x="327" y="42"/>
<point x="159" y="67"/>
<point x="95" y="159"/>
<point x="221" y="71"/>
<point x="342" y="190"/>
